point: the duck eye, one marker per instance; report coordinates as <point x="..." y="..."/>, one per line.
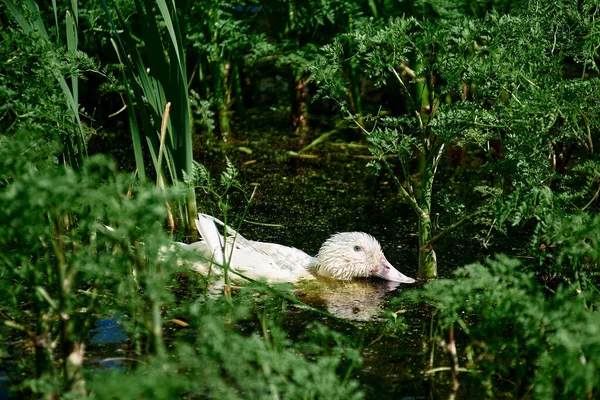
<point x="357" y="248"/>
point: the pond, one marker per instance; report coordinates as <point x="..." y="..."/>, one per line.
<point x="301" y="199"/>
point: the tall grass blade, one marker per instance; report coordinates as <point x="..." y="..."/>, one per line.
<point x="72" y="42"/>
<point x="156" y="74"/>
<point x="29" y="25"/>
<point x="55" y="9"/>
<point x="75" y="9"/>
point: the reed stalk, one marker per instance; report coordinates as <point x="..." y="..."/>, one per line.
<point x="155" y="74"/>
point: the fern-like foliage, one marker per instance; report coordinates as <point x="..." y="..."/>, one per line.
<point x="508" y="330"/>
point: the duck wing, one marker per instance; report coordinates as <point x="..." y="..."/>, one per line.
<point x="257" y="260"/>
<point x="287" y="258"/>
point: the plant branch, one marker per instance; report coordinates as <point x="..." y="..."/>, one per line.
<point x="594" y="197"/>
<point x="408" y="196"/>
<point x="429" y="244"/>
<point x="412" y="101"/>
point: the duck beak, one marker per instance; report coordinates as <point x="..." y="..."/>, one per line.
<point x="387" y="271"/>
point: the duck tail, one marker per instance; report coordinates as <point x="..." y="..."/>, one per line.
<point x="219" y="247"/>
<point x="211" y="236"/>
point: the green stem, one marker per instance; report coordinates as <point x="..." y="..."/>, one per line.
<point x="156" y="321"/>
<point x="427" y="258"/>
<point x="71" y="373"/>
<point x="429" y="244"/>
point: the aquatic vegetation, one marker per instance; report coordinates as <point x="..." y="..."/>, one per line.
<point x="156" y="95"/>
<point x="28" y="16"/>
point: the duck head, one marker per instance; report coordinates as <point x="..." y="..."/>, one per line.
<point x="350" y="255"/>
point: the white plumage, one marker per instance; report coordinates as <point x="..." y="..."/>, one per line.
<point x="343" y="256"/>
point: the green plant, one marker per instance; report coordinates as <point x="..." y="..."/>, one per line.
<point x="427" y="124"/>
<point x="468" y="81"/>
<point x="155" y="79"/>
<point x="214" y="360"/>
<point x="60" y="63"/>
<point x="69" y="237"/>
<point x="299" y="30"/>
<point x="222" y="43"/>
<point x="511" y="335"/>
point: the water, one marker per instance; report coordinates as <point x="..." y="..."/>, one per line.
<point x="107" y="344"/>
<point x="307" y="199"/>
<point x="108" y="331"/>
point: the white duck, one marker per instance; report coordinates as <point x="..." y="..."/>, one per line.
<point x="343" y="256"/>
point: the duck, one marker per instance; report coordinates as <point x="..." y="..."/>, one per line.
<point x="343" y="256"/>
